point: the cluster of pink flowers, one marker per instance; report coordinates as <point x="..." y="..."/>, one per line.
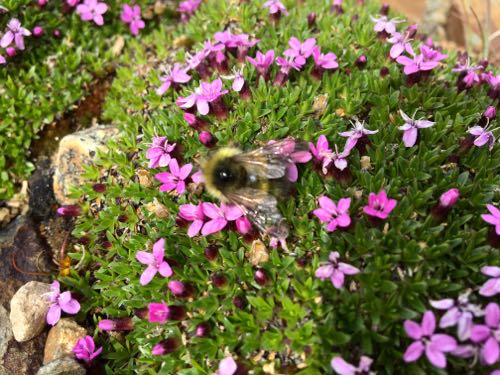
<point x="208" y="218"/>
<point x="13" y="38"/>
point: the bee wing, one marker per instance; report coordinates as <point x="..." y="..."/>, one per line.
<point x="261" y="209"/>
<point x="271" y="161"/>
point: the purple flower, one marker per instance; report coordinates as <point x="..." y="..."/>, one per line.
<point x="238" y="81"/>
<point x="379" y="205"/>
<point x="332" y="214"/>
<point x="92" y="10"/>
<point x="493" y="217"/>
<point x="491" y="287"/>
<point x="119" y="324"/>
<point x="2" y="60"/>
<point x="468" y="73"/>
<point x="384" y="24"/>
<point x="176" y="287"/>
<point x="159" y="152"/>
<point x="345" y="368"/>
<point x="400" y="43"/>
<point x="243" y="225"/>
<point x="187" y="8"/>
<point x="175" y="178"/>
<point x="335" y="270"/>
<point x="301" y="51"/>
<point x="154" y="262"/>
<point x="434" y="345"/>
<point x="176" y="75"/>
<point x="227" y="366"/>
<point x="489" y="334"/>
<point x="321" y="151"/>
<point x="358" y="131"/>
<point x="460" y="313"/>
<point x="15" y="33"/>
<point x="262" y="62"/>
<point x="193" y="213"/>
<point x="275" y="7"/>
<point x="85" y="349"/>
<point x="132" y="16"/>
<point x="297" y="157"/>
<point x="289" y="62"/>
<point x="219" y="216"/>
<point x="194" y="61"/>
<point x="60" y="302"/>
<point x="324" y="61"/>
<point x="196" y="98"/>
<point x="70" y="210"/>
<point x="427" y="60"/>
<point x="158" y="312"/>
<point x="449" y="198"/>
<point x="411" y="127"/>
<point x="483" y="136"/>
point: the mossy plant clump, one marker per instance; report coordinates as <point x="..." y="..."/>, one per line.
<point x="382" y="228"/>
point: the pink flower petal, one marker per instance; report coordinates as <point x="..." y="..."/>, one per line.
<point x="443" y="304"/>
<point x="428" y="323"/>
<point x="148" y="275"/>
<point x="213" y="226"/>
<point x="450" y="318"/>
<point x="413" y="329"/>
<point x="165" y="269"/>
<point x="159" y="250"/>
<point x="435" y="356"/>
<point x="227" y="366"/>
<point x="348" y="269"/>
<point x="414" y="351"/>
<point x="490" y="351"/>
<point x="337" y="278"/>
<point x="324" y="272"/>
<point x="194" y="228"/>
<point x="410" y="137"/>
<point x="144" y="257"/>
<point x="491" y="271"/>
<point x="342" y="367"/>
<point x="444" y="343"/>
<point x="54" y="314"/>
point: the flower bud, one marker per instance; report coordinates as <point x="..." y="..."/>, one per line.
<point x="219" y="280"/>
<point x="449" y="198"/>
<point x="71" y="210"/>
<point x="384" y="9"/>
<point x="240" y="302"/>
<point x="37" y="31"/>
<point x="194" y="121"/>
<point x="166" y="346"/>
<point x="384" y="71"/>
<point x="361" y="61"/>
<point x="260" y="277"/>
<point x="490" y="112"/>
<point x="412" y="30"/>
<point x="122" y="218"/>
<point x="176" y="287"/>
<point x="42" y="3"/>
<point x="56" y="33"/>
<point x="119" y="324"/>
<point x="158" y="312"/>
<point x="311" y="19"/>
<point x="211" y="252"/>
<point x="202" y="329"/>
<point x="11" y="51"/>
<point x="99" y="188"/>
<point x="207" y="139"/>
<point x="176" y="312"/>
<point x="243" y="225"/>
<point x="142" y="313"/>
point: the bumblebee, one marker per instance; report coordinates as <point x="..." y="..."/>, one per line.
<point x="253" y="181"/>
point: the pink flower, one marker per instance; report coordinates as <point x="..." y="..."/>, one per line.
<point x="262" y="62"/>
<point x="132" y="16"/>
<point x="321" y="150"/>
<point x="2" y="60"/>
<point x="491" y="287"/>
<point x="275" y="6"/>
<point x="212" y="91"/>
<point x="384" y="24"/>
<point x="119" y="324"/>
<point x="411" y="127"/>
<point x="483" y="136"/>
<point x="335" y="270"/>
<point x="489" y="334"/>
<point x="187" y="8"/>
<point x="460" y="313"/>
<point x="175" y="178"/>
<point x="176" y="75"/>
<point x="70" y="210"/>
<point x="193" y="213"/>
<point x="379" y="205"/>
<point x="400" y="43"/>
<point x="332" y="214"/>
<point x="85" y="349"/>
<point x="493" y="217"/>
<point x="159" y="152"/>
<point x="345" y="368"/>
<point x="449" y="198"/>
<point x="92" y="10"/>
<point x="301" y="51"/>
<point x="243" y="225"/>
<point x="60" y="302"/>
<point x="176" y="287"/>
<point x="196" y="98"/>
<point x="297" y="157"/>
<point x="358" y="131"/>
<point x="339" y="158"/>
<point x="219" y="216"/>
<point x="15" y="33"/>
<point x="227" y="366"/>
<point x="427" y="60"/>
<point x="72" y="3"/>
<point x="154" y="262"/>
<point x="158" y="312"/>
<point x="434" y="345"/>
<point x="324" y="61"/>
<point x="289" y="62"/>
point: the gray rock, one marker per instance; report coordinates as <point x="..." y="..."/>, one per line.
<point x="76" y="151"/>
<point x="62" y="339"/>
<point x="62" y="366"/>
<point x="28" y="309"/>
<point x="5" y="331"/>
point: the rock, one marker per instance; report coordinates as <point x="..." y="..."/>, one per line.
<point x="17" y="205"/>
<point x="62" y="366"/>
<point x="5" y="331"/>
<point x="62" y="339"/>
<point x="76" y="151"/>
<point x="28" y="309"/>
<point x="41" y="199"/>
